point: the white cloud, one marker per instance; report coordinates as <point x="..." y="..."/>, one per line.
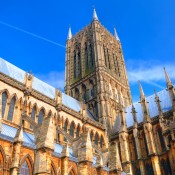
<point x="149" y="72"/>
<point x="53" y="78"/>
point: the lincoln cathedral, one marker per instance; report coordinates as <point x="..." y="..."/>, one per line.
<point x="93" y="128"/>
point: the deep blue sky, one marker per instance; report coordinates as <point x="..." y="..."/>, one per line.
<point x="146" y="29"/>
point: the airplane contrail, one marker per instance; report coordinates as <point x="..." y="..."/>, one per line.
<point x="32" y="34"/>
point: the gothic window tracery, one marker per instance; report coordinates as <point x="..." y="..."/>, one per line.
<point x="4" y="103"/>
<point x="11" y="109"/>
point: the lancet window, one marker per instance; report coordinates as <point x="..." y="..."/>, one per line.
<point x="4" y="103"/>
<point x="11" y="109"/>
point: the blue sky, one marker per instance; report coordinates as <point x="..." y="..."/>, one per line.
<point x="33" y="35"/>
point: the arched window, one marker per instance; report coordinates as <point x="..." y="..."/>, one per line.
<point x="101" y="141"/>
<point x="78" y="131"/>
<point x="84" y="96"/>
<point x="86" y="56"/>
<point x="75" y="64"/>
<point x="24" y="170"/>
<point x="33" y="114"/>
<point x="40" y="116"/>
<point x="96" y="139"/>
<point x="65" y="129"/>
<point x="72" y="128"/>
<point x="79" y="63"/>
<point x="91" y="55"/>
<point x="4" y="102"/>
<point x="162" y="143"/>
<point x="11" y="109"/>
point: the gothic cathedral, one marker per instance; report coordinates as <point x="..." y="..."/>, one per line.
<point x="93" y="128"/>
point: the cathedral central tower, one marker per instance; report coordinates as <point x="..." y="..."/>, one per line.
<point x="96" y="72"/>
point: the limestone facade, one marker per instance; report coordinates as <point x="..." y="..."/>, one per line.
<point x="45" y="135"/>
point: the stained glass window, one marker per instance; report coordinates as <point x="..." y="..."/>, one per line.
<point x="24" y="170"/>
<point x="4" y="102"/>
<point x="11" y="109"/>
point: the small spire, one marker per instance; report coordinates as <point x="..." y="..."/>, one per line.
<point x="142" y="95"/>
<point x="168" y="81"/>
<point x="116" y="35"/>
<point x="134" y="114"/>
<point x="95" y="17"/>
<point x="69" y="34"/>
<point x="157" y="100"/>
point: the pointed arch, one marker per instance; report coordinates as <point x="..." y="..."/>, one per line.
<point x="72" y="129"/>
<point x="66" y="127"/>
<point x="33" y="113"/>
<point x="41" y="115"/>
<point x="26" y="165"/>
<point x="84" y="95"/>
<point x="2" y="160"/>
<point x="53" y="169"/>
<point x="71" y="171"/>
<point x="12" y="108"/>
<point x="4" y="103"/>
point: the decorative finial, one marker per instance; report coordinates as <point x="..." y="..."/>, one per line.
<point x="168" y="81"/>
<point x="116" y="35"/>
<point x="69" y="34"/>
<point x="141" y="90"/>
<point x="95" y="17"/>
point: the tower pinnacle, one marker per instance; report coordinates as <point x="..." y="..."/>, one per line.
<point x="95" y="17"/>
<point x="69" y="34"/>
<point x="116" y="35"/>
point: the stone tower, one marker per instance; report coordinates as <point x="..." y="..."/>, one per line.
<point x="96" y="72"/>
